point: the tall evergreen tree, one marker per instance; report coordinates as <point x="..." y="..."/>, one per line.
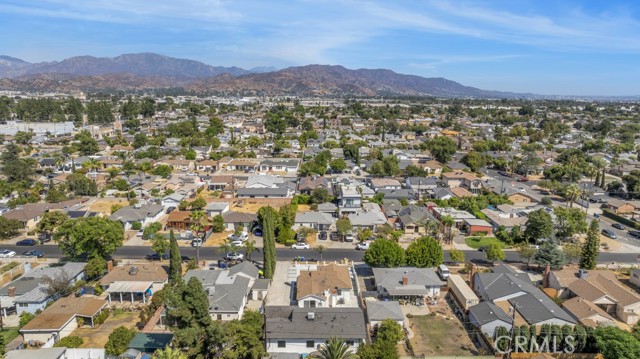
<point x="549" y="254"/>
<point x="175" y="260"/>
<point x="590" y="249"/>
<point x="268" y="234"/>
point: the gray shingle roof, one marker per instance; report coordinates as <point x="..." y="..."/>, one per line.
<point x="384" y="310"/>
<point x="419" y="280"/>
<point x="487" y="312"/>
<point x="284" y="322"/>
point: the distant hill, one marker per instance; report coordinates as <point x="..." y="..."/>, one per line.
<point x="149" y="71"/>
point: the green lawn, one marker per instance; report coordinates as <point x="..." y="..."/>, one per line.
<point x="10" y="333"/>
<point x="477" y="242"/>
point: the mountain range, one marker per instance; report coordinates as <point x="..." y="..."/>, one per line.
<point x="144" y="71"/>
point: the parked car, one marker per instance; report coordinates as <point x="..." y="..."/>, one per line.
<point x="609" y="233"/>
<point x="33" y="253"/>
<point x="237" y="243"/>
<point x="156" y="257"/>
<point x="503" y="173"/>
<point x="482" y="249"/>
<point x="5" y="253"/>
<point x="26" y="242"/>
<point x="349" y="238"/>
<point x="185" y="258"/>
<point x="170" y="209"/>
<point x="635" y="234"/>
<point x="243" y="236"/>
<point x="618" y="226"/>
<point x="234" y="256"/>
<point x="334" y="236"/>
<point x="362" y="246"/>
<point x="257" y="231"/>
<point x="300" y="246"/>
<point x="323" y="235"/>
<point x="140" y="233"/>
<point x="523" y="179"/>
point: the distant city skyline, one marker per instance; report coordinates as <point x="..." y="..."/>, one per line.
<point x="544" y="47"/>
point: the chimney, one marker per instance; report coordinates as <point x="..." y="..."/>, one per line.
<point x="405" y="280"/>
<point x="109" y="266"/>
<point x="472" y="275"/>
<point x="11" y="291"/>
<point x="545" y="276"/>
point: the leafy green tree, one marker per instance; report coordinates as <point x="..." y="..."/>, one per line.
<point x="590" y="249"/>
<point x="334" y="348"/>
<point x="456" y="256"/>
<point x="175" y="260"/>
<point x="338" y="165"/>
<point x="9" y="228"/>
<point x="163" y="171"/>
<point x="168" y="353"/>
<point x="494" y="252"/>
<point x="572" y="251"/>
<point x="343" y="225"/>
<point x="244" y="337"/>
<point x="384" y="253"/>
<point x="249" y="247"/>
<point x="615" y="343"/>
<point x="25" y="318"/>
<point x="119" y="341"/>
<point x="425" y="252"/>
<point x="527" y="252"/>
<point x="95" y="267"/>
<point x="320" y="195"/>
<point x="96" y="236"/>
<point x="364" y="234"/>
<point x="218" y="223"/>
<point x="539" y="225"/>
<point x="475" y="160"/>
<point x="80" y="185"/>
<point x="549" y="254"/>
<point x="390" y="331"/>
<point x="442" y="148"/>
<point x="15" y="168"/>
<point x="569" y="221"/>
<point x="86" y="144"/>
<point x="159" y="244"/>
<point x="151" y="230"/>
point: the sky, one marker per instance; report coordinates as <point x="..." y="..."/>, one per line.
<point x="568" y="47"/>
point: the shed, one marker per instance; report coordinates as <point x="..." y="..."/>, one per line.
<point x="150" y="342"/>
<point x="462" y="294"/>
<point x="378" y="311"/>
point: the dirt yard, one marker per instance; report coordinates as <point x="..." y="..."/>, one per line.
<point x="103" y="205"/>
<point x="435" y="335"/>
<point x="98" y="337"/>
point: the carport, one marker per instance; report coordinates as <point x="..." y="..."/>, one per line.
<point x="134" y="291"/>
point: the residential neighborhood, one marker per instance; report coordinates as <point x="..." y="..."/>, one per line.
<point x="267" y="227"/>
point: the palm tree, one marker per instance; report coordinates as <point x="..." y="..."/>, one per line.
<point x="92" y="165"/>
<point x="571" y="194"/>
<point x="447" y="223"/>
<point x="169" y="353"/>
<point x="335" y="348"/>
<point x="199" y="220"/>
<point x="250" y="247"/>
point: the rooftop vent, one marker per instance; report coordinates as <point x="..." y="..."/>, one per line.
<point x="311" y="315"/>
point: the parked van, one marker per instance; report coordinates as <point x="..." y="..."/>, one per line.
<point x="443" y="272"/>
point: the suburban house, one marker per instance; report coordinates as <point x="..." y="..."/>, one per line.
<point x="511" y="291"/>
<point x="29" y="293"/>
<point x="227" y="290"/>
<point x="487" y="317"/>
<point x="287" y="165"/>
<point x="619" y="206"/>
<point x="349" y="199"/>
<point x="587" y="313"/>
<point x="519" y="197"/>
<point x="462" y="179"/>
<point x="143" y="214"/>
<point x="508" y="220"/>
<point x="306" y="185"/>
<point x="414" y="219"/>
<point x="326" y="286"/>
<point x="476" y="226"/>
<point x="417" y="283"/>
<point x="385" y="183"/>
<point x="216" y="208"/>
<point x="377" y="311"/>
<point x="421" y="185"/>
<point x="265" y="186"/>
<point x="459" y="216"/>
<point x="179" y="220"/>
<point x="601" y="288"/>
<point x="233" y="220"/>
<point x="316" y="220"/>
<point x="173" y="200"/>
<point x="60" y="319"/>
<point x="300" y="331"/>
<point x="369" y="216"/>
<point x="134" y="283"/>
<point x="634" y="277"/>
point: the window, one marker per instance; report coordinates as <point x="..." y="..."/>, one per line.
<point x="311" y="344"/>
<point x="282" y="344"/>
<point x="350" y="342"/>
<point x="23" y="305"/>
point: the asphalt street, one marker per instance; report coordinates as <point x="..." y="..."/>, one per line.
<point x="212" y="253"/>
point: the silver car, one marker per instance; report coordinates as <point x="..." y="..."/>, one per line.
<point x="5" y="253"/>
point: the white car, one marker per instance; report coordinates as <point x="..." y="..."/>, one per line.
<point x="140" y="233"/>
<point x="241" y="237"/>
<point x="234" y="256"/>
<point x="300" y="246"/>
<point x="5" y="253"/>
<point x="362" y="246"/>
<point x="237" y="243"/>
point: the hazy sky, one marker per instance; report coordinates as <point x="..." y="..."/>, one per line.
<point x="541" y="46"/>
